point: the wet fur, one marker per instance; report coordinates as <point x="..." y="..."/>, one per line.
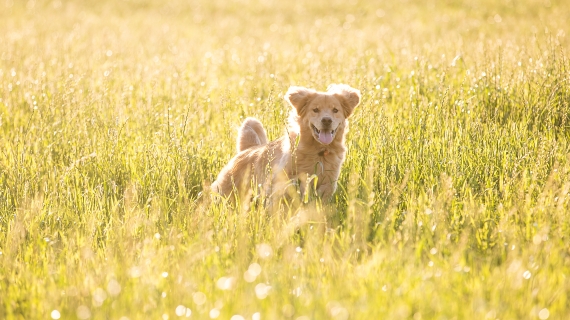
<point x="267" y="168"/>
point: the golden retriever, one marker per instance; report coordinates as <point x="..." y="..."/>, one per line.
<point x="311" y="153"/>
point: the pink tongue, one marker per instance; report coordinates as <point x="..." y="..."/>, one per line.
<point x="325" y="137"/>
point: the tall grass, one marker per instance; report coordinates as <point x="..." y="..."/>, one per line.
<point x="115" y="116"/>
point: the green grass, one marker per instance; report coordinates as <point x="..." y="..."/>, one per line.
<point x="453" y="202"/>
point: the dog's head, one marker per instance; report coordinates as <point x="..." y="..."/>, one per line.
<point x="324" y="112"/>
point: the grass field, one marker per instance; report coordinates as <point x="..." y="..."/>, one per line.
<point x="453" y="202"/>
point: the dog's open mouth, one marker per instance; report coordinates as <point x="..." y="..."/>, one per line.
<point x="323" y="136"/>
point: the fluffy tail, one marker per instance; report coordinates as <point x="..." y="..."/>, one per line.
<point x="251" y="133"/>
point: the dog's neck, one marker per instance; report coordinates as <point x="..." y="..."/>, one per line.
<point x="324" y="152"/>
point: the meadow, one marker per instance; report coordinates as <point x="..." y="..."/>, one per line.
<point x="116" y="116"/>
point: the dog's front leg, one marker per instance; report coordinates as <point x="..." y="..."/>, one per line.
<point x="303" y="184"/>
<point x="325" y="191"/>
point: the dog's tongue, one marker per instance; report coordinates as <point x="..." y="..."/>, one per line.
<point x="325" y="137"/>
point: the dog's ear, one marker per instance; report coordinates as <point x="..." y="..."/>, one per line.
<point x="347" y="95"/>
<point x="299" y="97"/>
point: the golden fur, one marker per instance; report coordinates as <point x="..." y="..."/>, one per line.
<point x="314" y="146"/>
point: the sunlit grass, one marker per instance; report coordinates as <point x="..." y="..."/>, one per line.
<point x="115" y="116"/>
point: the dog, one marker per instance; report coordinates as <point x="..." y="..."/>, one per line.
<point x="311" y="153"/>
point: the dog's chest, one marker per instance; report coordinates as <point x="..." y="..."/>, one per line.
<point x="320" y="164"/>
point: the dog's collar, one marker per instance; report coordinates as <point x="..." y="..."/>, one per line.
<point x="324" y="152"/>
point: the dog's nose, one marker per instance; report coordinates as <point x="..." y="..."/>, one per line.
<point x="326" y="121"/>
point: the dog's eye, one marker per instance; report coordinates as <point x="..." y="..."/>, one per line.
<point x="315" y="110"/>
<point x="335" y="110"/>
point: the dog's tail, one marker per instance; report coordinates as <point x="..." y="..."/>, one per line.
<point x="251" y="133"/>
